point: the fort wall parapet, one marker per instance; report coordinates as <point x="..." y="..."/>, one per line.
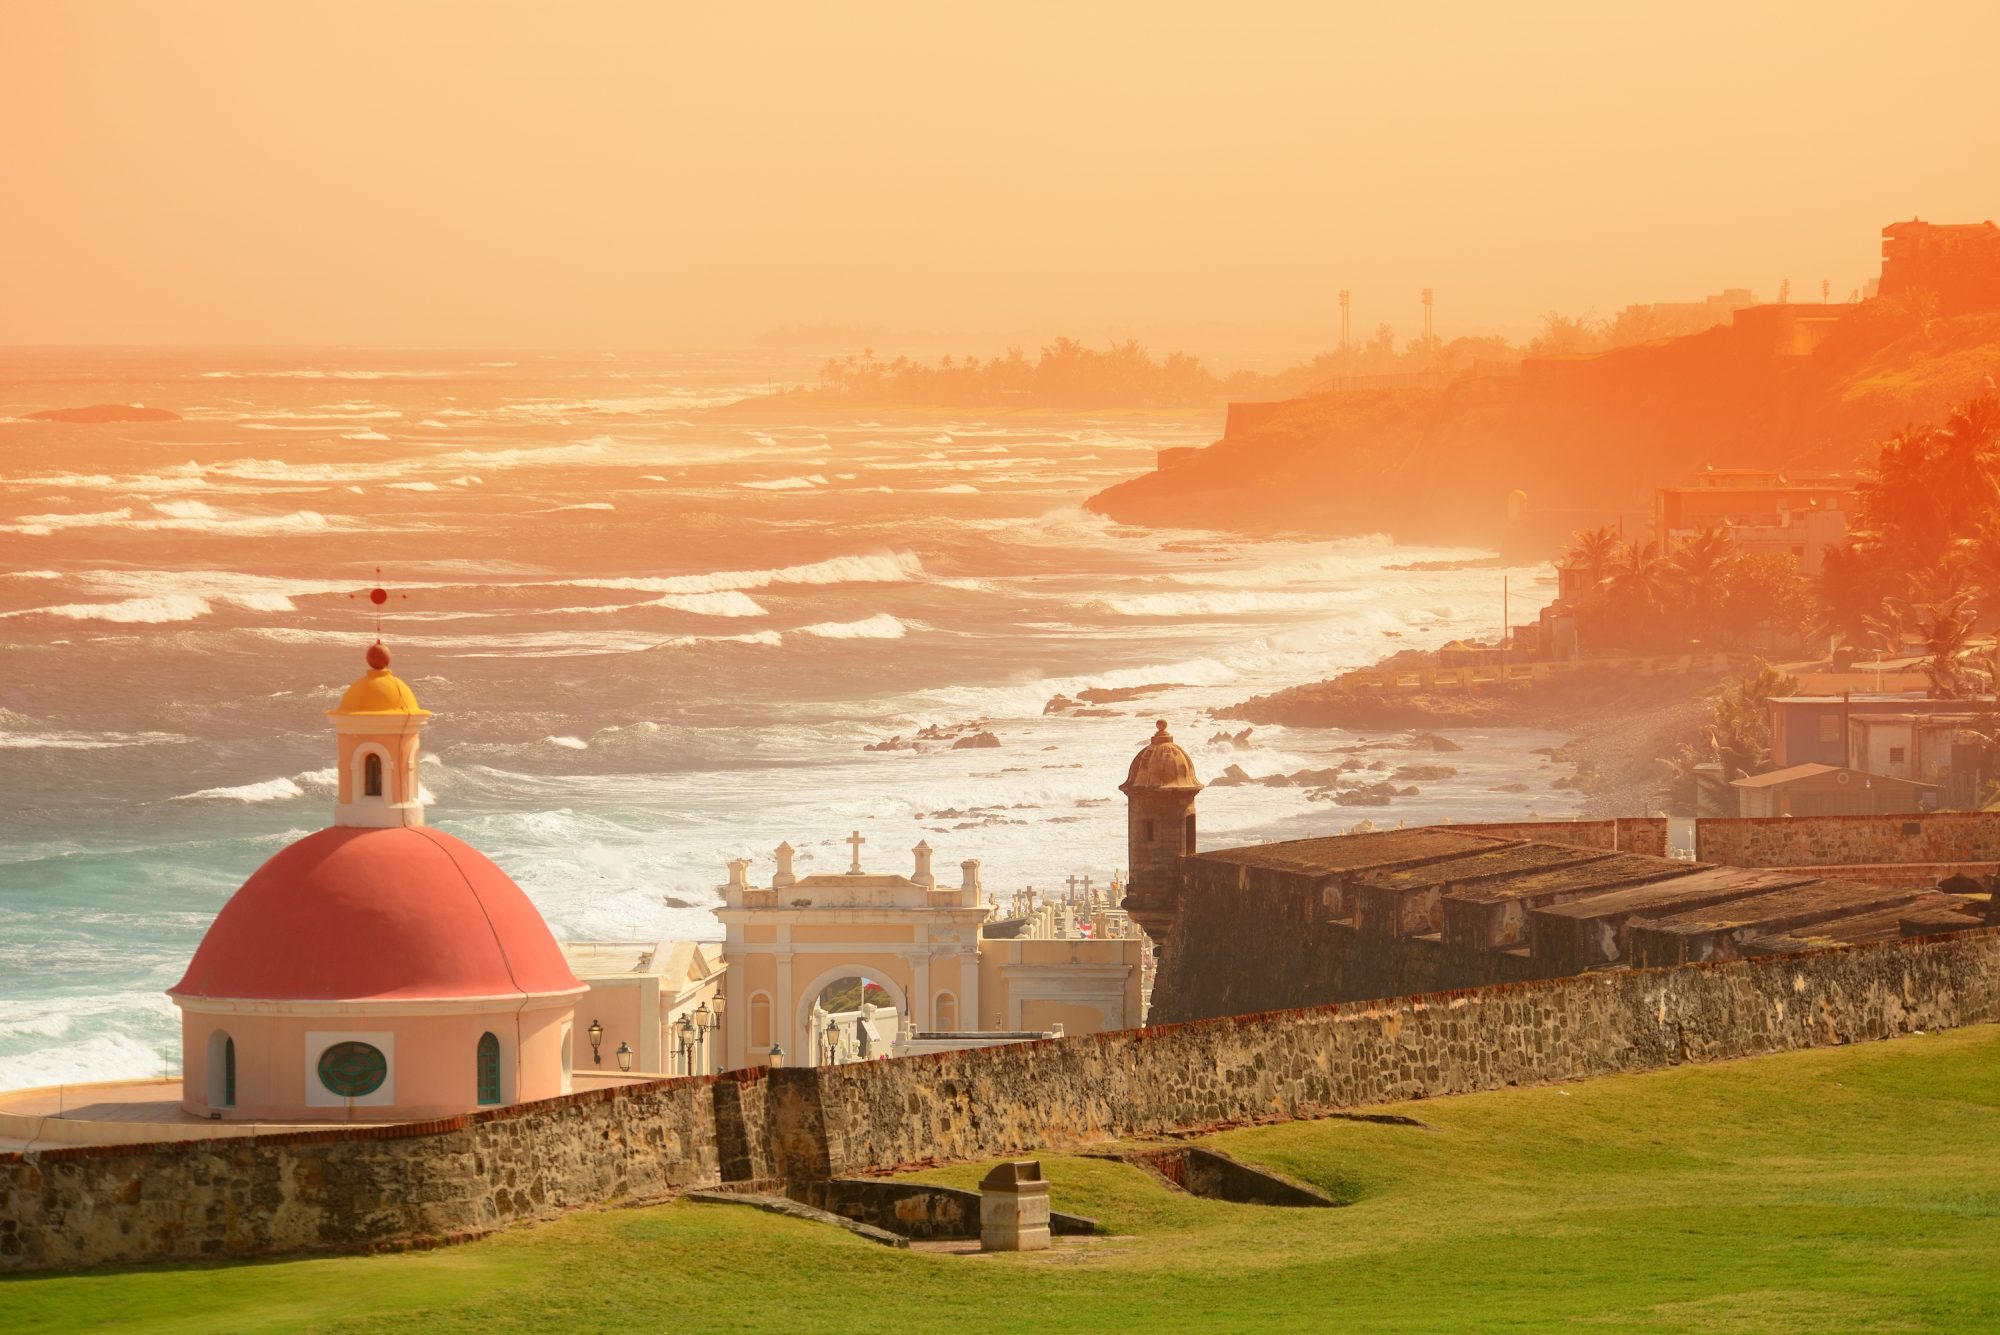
<point x="1957" y="837"/>
<point x="361" y="1188"/>
<point x="1620" y="834"/>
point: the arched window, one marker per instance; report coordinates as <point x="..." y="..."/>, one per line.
<point x="760" y="1021"/>
<point x="944" y="1014"/>
<point x="1187" y="834"/>
<point x="221" y="1070"/>
<point x="489" y="1069"/>
<point x="371" y="775"/>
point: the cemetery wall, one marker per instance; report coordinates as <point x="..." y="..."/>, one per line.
<point x="377" y="1187"/>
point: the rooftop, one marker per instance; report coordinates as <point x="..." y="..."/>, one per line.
<point x="1602" y="872"/>
<point x="1509" y="861"/>
<point x="1795" y="773"/>
<point x="1352" y="852"/>
<point x="1700" y="885"/>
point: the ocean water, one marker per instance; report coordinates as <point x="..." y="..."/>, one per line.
<point x="655" y="637"/>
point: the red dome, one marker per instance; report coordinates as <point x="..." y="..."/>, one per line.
<point x="352" y="914"/>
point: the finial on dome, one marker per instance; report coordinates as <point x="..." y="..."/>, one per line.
<point x="1160" y="733"/>
<point x="378" y="656"/>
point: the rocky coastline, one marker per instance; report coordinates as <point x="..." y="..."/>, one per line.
<point x="1620" y="724"/>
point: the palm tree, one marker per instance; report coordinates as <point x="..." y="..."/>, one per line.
<point x="1947" y="630"/>
<point x="1637" y="591"/>
<point x="1700" y="568"/>
<point x="1849" y="588"/>
<point x="1904" y="519"/>
<point x="1739" y="734"/>
<point x="1966" y="455"/>
<point x="1592" y="551"/>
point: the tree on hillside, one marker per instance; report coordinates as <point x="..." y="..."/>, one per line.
<point x="1592" y="551"/>
<point x="1634" y="325"/>
<point x="1736" y="736"/>
<point x="1637" y="589"/>
<point x="1738" y="733"/>
<point x="1700" y="568"/>
<point x="1564" y="335"/>
<point x="1967" y="457"/>
<point x="1851" y="590"/>
<point x="1946" y="627"/>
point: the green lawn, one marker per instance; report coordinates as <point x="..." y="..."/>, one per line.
<point x="1851" y="1189"/>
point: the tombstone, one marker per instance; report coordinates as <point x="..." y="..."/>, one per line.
<point x="1014" y="1208"/>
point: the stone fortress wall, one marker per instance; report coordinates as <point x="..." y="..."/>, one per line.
<point x="434" y="1182"/>
<point x="1966" y="838"/>
<point x="1646" y="835"/>
<point x="1408" y="910"/>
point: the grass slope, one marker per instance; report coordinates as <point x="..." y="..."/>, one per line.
<point x="1844" y="1190"/>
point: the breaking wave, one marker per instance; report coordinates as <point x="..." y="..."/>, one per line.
<point x="1222" y="604"/>
<point x="884" y="568"/>
<point x="881" y="626"/>
<point x="271" y="790"/>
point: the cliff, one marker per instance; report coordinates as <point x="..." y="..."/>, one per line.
<point x="1584" y="437"/>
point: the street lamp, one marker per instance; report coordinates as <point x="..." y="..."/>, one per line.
<point x="832" y="1042"/>
<point x="596" y="1032"/>
<point x="685" y="1031"/>
<point x="700" y="1036"/>
<point x="624" y="1055"/>
<point x="777" y="1057"/>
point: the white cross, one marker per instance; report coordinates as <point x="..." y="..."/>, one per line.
<point x="855" y="841"/>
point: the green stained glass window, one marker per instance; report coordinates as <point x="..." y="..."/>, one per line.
<point x="489" y="1069"/>
<point x="353" y="1070"/>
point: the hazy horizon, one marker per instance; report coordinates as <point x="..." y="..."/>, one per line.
<point x="481" y="176"/>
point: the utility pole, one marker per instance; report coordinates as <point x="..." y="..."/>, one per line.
<point x="1427" y="317"/>
<point x="1345" y="332"/>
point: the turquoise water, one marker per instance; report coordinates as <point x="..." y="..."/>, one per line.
<point x="654" y="638"/>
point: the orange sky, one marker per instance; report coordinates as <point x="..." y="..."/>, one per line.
<point x="432" y="172"/>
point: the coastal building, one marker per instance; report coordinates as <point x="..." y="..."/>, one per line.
<point x="854" y="965"/>
<point x="1943" y="748"/>
<point x="1763" y="512"/>
<point x="377" y="970"/>
<point x="1821" y="729"/>
<point x="1830" y="790"/>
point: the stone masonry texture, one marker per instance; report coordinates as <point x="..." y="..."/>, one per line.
<point x="436" y="1182"/>
<point x="1812" y="841"/>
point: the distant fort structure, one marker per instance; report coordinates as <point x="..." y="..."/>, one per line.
<point x="1959" y="263"/>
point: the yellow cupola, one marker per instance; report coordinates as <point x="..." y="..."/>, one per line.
<point x="378" y="690"/>
<point x="375" y="733"/>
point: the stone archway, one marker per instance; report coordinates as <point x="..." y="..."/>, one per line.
<point x="806" y="998"/>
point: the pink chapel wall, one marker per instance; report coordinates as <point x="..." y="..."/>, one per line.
<point x="433" y="1061"/>
<point x="372" y="1187"/>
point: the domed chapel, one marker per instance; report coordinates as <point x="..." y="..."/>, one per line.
<point x="377" y="970"/>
